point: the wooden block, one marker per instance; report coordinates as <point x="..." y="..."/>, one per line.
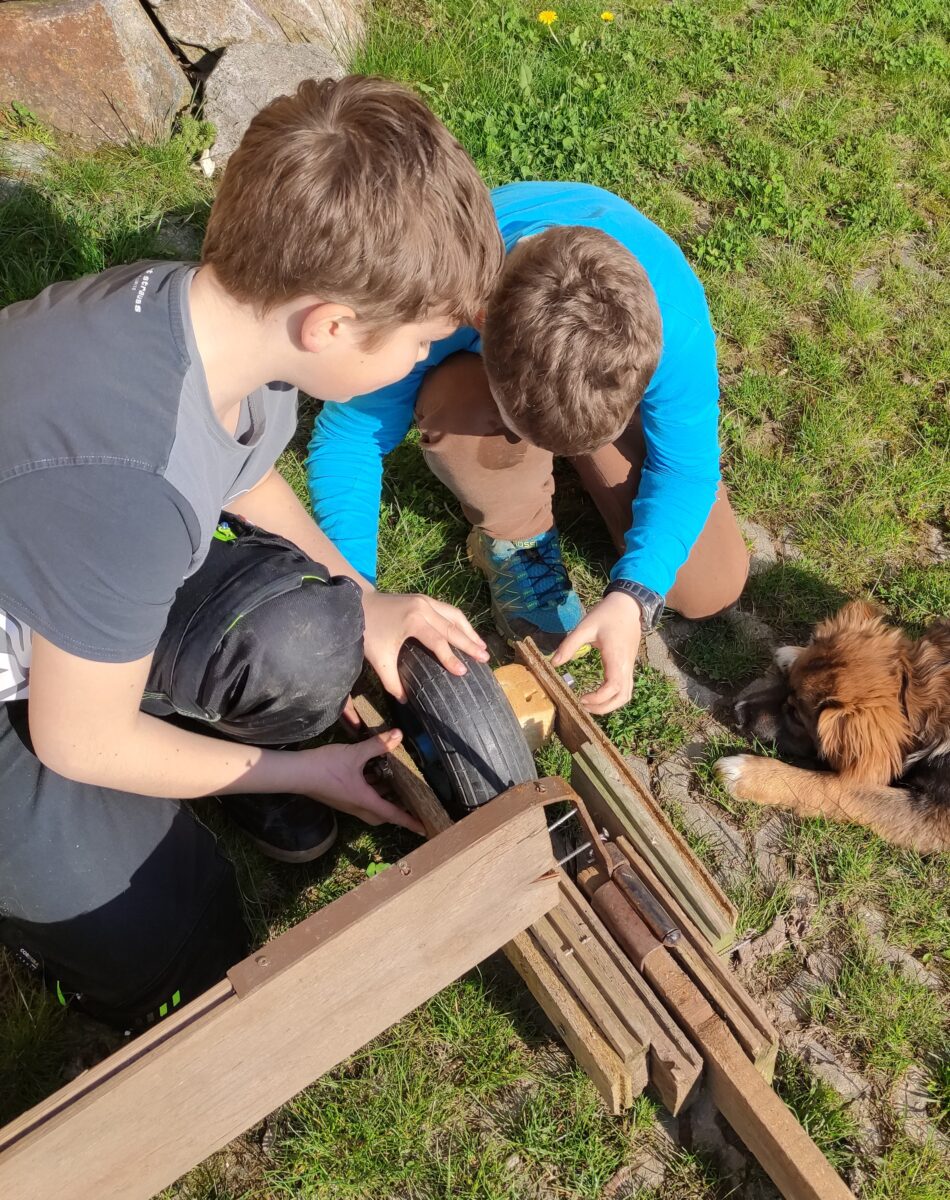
<point x="531" y="703"/>
<point x="599" y="1061"/>
<point x="575" y="727"/>
<point x="749" y="1023"/>
<point x="674" y="1064"/>
<point x="615" y="805"/>
<point x="169" y="1099"/>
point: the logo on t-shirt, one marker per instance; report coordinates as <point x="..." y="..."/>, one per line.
<point x="140" y="287"/>
<point x="16" y="646"/>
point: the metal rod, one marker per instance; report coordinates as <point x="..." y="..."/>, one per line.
<point x="560" y="821"/>
<point x="573" y="854"/>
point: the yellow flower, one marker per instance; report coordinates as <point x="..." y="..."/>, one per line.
<point x="606" y="16"/>
<point x="547" y="17"/>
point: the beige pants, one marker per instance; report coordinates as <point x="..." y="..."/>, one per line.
<point x="506" y="485"/>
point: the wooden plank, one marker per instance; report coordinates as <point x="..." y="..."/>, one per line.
<point x="612" y="804"/>
<point x="619" y="997"/>
<point x="599" y="1061"/>
<point x="562" y="952"/>
<point x="675" y="1066"/>
<point x="623" y="999"/>
<point x="770" y="1130"/>
<point x="575" y="727"/>
<point x="747" y="1020"/>
<point x="782" y="1147"/>
<point x="409" y="931"/>
<point x="407" y="779"/>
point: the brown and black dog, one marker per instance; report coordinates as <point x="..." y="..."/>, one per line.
<point x="866" y="711"/>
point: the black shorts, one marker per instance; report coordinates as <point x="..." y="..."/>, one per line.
<point x="125" y="903"/>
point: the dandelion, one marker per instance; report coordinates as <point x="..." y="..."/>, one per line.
<point x="607" y="16"/>
<point x="547" y="17"/>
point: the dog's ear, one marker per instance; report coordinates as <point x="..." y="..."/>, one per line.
<point x="858" y="614"/>
<point x="785" y="656"/>
<point x="864" y="742"/>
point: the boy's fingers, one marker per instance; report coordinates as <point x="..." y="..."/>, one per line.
<point x="571" y="644"/>
<point x="462" y="640"/>
<point x="604" y="700"/>
<point x="379" y="811"/>
<point x="350" y="715"/>
<point x="376" y="746"/>
<point x="455" y="616"/>
<point x="389" y="678"/>
<point x="441" y="647"/>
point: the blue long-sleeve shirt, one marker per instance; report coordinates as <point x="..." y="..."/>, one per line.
<point x="679" y="410"/>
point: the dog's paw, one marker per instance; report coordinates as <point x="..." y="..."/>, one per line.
<point x="732" y="771"/>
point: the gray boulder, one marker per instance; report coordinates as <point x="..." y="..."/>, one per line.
<point x="251" y="75"/>
<point x="196" y="28"/>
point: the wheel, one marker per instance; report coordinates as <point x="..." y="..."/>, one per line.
<point x="463" y="728"/>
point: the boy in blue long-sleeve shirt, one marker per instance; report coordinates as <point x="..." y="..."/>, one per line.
<point x="597" y="345"/>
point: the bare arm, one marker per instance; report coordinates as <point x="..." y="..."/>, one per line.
<point x="86" y="725"/>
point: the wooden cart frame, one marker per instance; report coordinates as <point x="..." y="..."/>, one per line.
<point x="632" y="1011"/>
<point x="288" y="1013"/>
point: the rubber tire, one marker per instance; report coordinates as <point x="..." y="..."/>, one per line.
<point x="479" y="743"/>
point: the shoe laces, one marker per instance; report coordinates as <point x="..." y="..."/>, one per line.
<point x="541" y="567"/>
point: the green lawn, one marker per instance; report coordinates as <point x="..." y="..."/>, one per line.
<point x="799" y="153"/>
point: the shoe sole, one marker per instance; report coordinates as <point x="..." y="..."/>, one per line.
<point x="295" y="856"/>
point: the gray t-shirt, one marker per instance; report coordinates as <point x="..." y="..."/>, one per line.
<point x="113" y="465"/>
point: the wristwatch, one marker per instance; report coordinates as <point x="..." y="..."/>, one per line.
<point x="651" y="603"/>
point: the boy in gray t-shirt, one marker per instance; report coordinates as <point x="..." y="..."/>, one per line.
<point x="153" y="563"/>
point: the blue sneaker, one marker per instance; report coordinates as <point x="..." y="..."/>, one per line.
<point x="530" y="589"/>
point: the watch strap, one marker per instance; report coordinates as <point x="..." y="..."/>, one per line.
<point x="651" y="603"/>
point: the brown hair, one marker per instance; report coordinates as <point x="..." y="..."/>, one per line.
<point x="572" y="336"/>
<point x="353" y="190"/>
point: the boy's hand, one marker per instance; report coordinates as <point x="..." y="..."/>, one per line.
<point x="390" y="620"/>
<point x="614" y="627"/>
<point x="334" y="775"/>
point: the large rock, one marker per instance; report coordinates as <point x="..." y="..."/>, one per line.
<point x="214" y="24"/>
<point x="250" y="76"/>
<point x="96" y="69"/>
<point x="336" y="25"/>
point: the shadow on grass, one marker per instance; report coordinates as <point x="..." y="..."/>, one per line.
<point x="792" y="597"/>
<point x="43" y="243"/>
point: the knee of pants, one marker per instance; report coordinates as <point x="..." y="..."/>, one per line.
<point x="283" y="672"/>
<point x="455" y="400"/>
<point x="171" y="934"/>
<point x="713" y="598"/>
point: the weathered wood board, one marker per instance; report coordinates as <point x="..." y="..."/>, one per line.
<point x="673" y="1063"/>
<point x="746" y="1018"/>
<point x="288" y="1013"/>
<point x="613" y="804"/>
<point x="652" y="832"/>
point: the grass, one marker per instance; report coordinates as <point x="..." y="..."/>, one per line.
<point x="798" y="151"/>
